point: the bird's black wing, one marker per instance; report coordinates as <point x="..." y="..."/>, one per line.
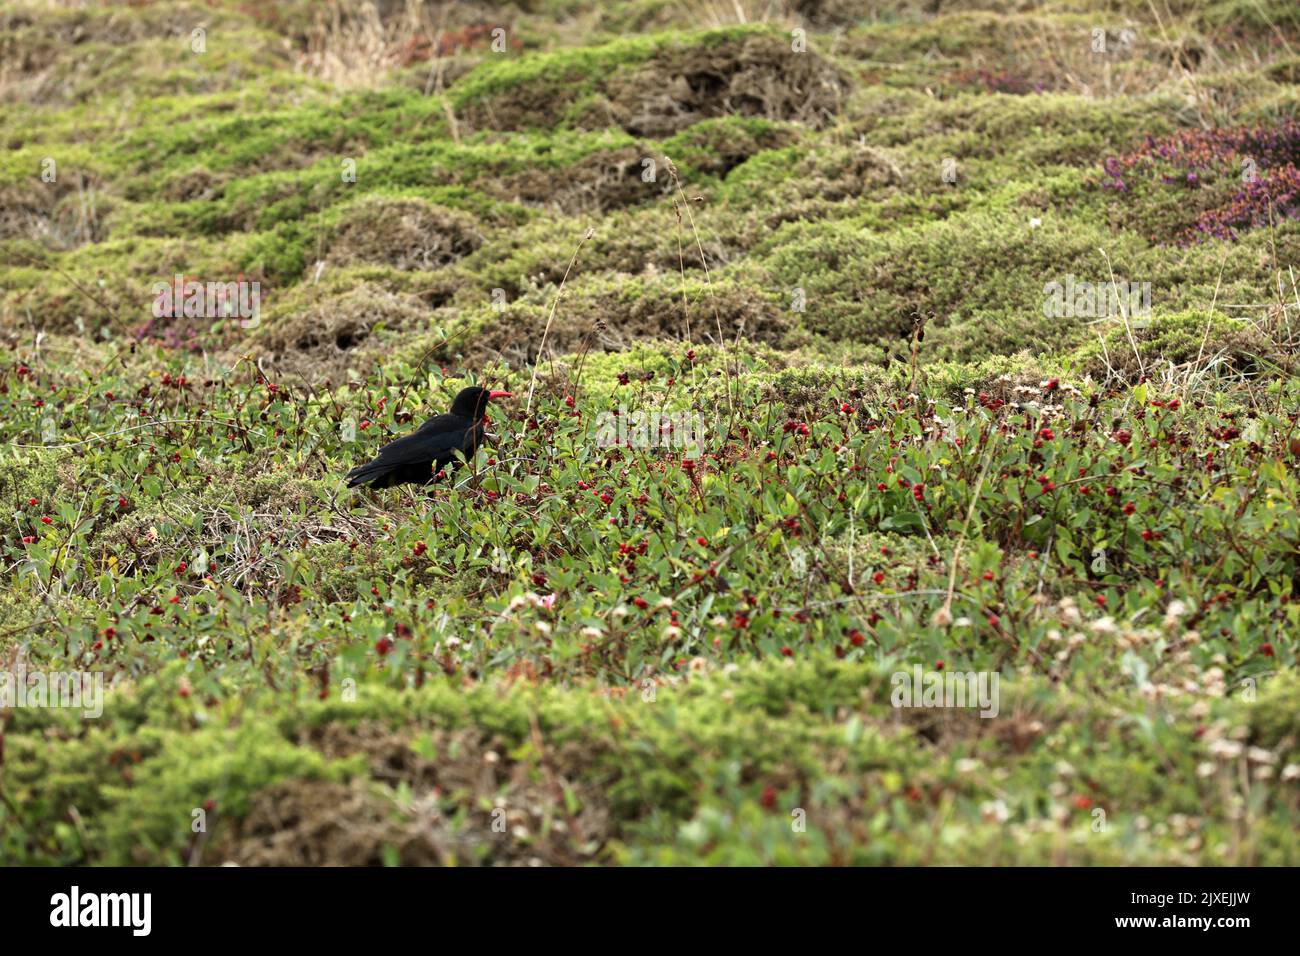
<point x="436" y="441"/>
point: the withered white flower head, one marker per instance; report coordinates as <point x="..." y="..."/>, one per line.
<point x="995" y="811"/>
<point x="1225" y="749"/>
<point x="1260" y="755"/>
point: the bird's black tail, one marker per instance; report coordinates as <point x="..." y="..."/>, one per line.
<point x="373" y="473"/>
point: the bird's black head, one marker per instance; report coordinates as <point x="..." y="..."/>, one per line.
<point x="472" y="402"/>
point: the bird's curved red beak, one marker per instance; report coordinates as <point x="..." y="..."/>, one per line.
<point x="495" y="395"/>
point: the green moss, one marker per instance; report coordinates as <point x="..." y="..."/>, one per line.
<point x="589" y="87"/>
<point x="541" y="88"/>
<point x="151" y="820"/>
<point x="978" y="280"/>
<point x="1025" y="132"/>
<point x="821" y="734"/>
<point x="1199" y="341"/>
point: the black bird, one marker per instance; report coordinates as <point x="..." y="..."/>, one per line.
<point x="416" y="458"/>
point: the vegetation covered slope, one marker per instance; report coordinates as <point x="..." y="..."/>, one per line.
<point x="836" y="236"/>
